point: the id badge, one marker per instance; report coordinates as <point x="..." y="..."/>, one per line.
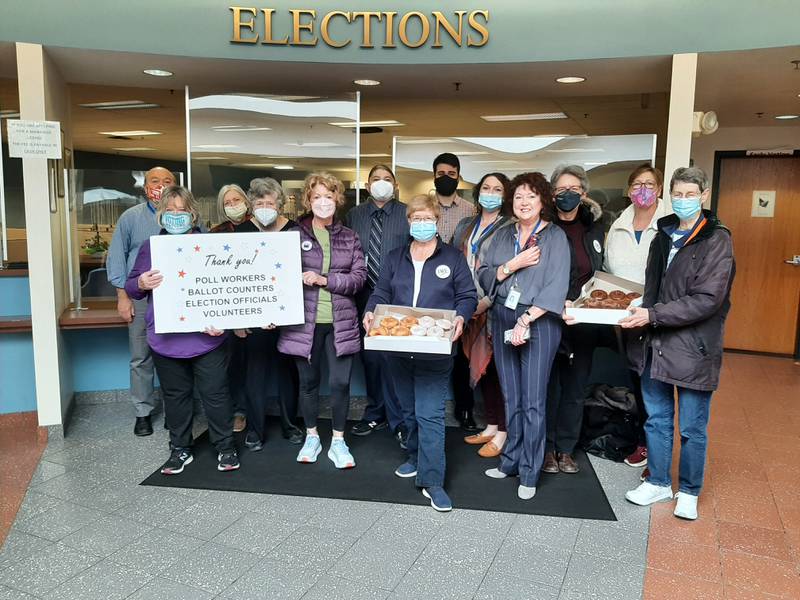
<point x="513" y="298"/>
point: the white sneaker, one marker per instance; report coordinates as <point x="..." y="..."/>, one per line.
<point x="647" y="493"/>
<point x="525" y="492"/>
<point x="686" y="507"/>
<point x="495" y="474"/>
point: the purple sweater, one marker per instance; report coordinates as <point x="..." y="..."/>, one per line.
<point x="173" y="345"/>
<point x="346" y="277"/>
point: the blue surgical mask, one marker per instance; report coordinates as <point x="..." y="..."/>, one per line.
<point x="177" y="222"/>
<point x="686" y="208"/>
<point x="422" y="231"/>
<point x="490" y="201"/>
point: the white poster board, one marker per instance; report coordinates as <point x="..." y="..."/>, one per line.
<point x="763" y="204"/>
<point x="34" y="139"/>
<point x="227" y="281"/>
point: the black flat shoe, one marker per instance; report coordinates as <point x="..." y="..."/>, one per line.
<point x="252" y="442"/>
<point x="294" y="435"/>
<point x="467" y="422"/>
<point x="143" y="427"/>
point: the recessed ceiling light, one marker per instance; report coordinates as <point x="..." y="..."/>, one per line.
<point x="528" y="117"/>
<point x="133" y="149"/>
<point x="787" y="117"/>
<point x="208" y="158"/>
<point x="385" y="123"/>
<point x="9" y="114"/>
<point x="469" y="153"/>
<point x="367" y="82"/>
<point x="227" y="128"/>
<point x="571" y="79"/>
<point x="158" y="72"/>
<point x="135" y="133"/>
<point x="119" y="105"/>
<point x="595" y="164"/>
<point x="283" y="167"/>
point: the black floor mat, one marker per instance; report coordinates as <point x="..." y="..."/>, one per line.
<point x="274" y="470"/>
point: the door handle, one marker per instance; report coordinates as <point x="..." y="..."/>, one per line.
<point x="793" y="261"/>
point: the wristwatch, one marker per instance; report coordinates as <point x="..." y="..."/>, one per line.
<point x="506" y="270"/>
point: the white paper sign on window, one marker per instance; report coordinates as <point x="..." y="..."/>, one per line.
<point x="227" y="281"/>
<point x="763" y="204"/>
<point x="34" y="139"/>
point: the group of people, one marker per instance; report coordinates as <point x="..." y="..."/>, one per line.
<point x="508" y="266"/>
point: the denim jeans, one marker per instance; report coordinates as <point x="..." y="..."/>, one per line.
<point x="423" y="386"/>
<point x="693" y="412"/>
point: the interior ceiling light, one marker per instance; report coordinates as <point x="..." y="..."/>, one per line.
<point x="366" y="82"/>
<point x="119" y="105"/>
<point x="571" y="79"/>
<point x="9" y="114"/>
<point x="283" y="167"/>
<point x="134" y="149"/>
<point x="373" y="155"/>
<point x="426" y="141"/>
<point x="215" y="146"/>
<point x="208" y="158"/>
<point x="158" y="72"/>
<point x="529" y="117"/>
<point x="570" y="150"/>
<point x="787" y="117"/>
<point x="228" y="128"/>
<point x="386" y="123"/>
<point x="470" y="153"/>
<point x="135" y="133"/>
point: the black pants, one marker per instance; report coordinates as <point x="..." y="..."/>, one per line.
<point x="264" y="359"/>
<point x="206" y="375"/>
<point x="568" y="380"/>
<point x="636" y="387"/>
<point x="310" y="372"/>
<point x="237" y="374"/>
<point x="462" y="394"/>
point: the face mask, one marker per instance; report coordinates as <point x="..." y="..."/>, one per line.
<point x="643" y="197"/>
<point x="177" y="222"/>
<point x="490" y="201"/>
<point x="266" y="216"/>
<point x="154" y="193"/>
<point x="686" y="208"/>
<point x="323" y="209"/>
<point x="234" y="213"/>
<point x="423" y="231"/>
<point x="445" y="185"/>
<point x="567" y="200"/>
<point x="381" y="190"/>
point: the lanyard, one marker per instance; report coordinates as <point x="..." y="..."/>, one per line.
<point x="150" y="206"/>
<point x="685" y="239"/>
<point x="532" y="236"/>
<point x="475" y="243"/>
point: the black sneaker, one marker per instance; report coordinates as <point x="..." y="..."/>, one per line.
<point x="365" y="428"/>
<point x="179" y="458"/>
<point x="252" y="442"/>
<point x="228" y="461"/>
<point x="143" y="426"/>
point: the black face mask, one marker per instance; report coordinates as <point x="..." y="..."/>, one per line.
<point x="567" y="200"/>
<point x="445" y="185"/>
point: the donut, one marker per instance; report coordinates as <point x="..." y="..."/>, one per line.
<point x="599" y="294"/>
<point x="427" y="321"/>
<point x="418" y="330"/>
<point x="591" y="303"/>
<point x="435" y="331"/>
<point x="401" y="331"/>
<point x="616" y="295"/>
<point x="633" y="295"/>
<point x="389" y="322"/>
<point x="608" y="303"/>
<point x="444" y="324"/>
<point x="377" y="331"/>
<point x="409" y="321"/>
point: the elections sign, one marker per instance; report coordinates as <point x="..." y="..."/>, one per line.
<point x="227" y="281"/>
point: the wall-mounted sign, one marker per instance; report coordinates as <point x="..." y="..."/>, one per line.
<point x="368" y="29"/>
<point x="34" y="139"/>
<point x="763" y="204"/>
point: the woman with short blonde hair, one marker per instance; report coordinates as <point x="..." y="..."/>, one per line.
<point x="326" y="180"/>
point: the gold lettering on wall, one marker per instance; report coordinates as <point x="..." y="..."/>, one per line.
<point x="412" y="28"/>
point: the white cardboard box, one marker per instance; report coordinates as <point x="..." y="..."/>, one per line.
<point x="603" y="316"/>
<point x="411" y="344"/>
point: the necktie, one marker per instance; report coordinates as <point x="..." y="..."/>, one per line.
<point x="374" y="247"/>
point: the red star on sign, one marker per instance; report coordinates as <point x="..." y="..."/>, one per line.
<point x="181" y="273"/>
<point x="274" y="279"/>
<point x="197" y="248"/>
<point x="183" y="318"/>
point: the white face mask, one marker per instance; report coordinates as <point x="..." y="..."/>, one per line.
<point x="323" y="208"/>
<point x="235" y="213"/>
<point x="266" y="216"/>
<point x="381" y="190"/>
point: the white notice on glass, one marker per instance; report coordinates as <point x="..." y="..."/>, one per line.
<point x="763" y="204"/>
<point x="34" y="139"/>
<point x="227" y="281"/>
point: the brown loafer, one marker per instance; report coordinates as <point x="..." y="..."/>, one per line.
<point x="550" y="464"/>
<point x="478" y="439"/>
<point x="490" y="450"/>
<point x="566" y="464"/>
<point x="239" y="423"/>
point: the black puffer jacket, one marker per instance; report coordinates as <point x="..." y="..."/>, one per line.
<point x="590" y="214"/>
<point x="688" y="304"/>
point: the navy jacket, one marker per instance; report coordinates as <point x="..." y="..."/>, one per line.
<point x="446" y="281"/>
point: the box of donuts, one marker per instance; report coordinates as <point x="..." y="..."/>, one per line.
<point x="605" y="299"/>
<point x="411" y="330"/>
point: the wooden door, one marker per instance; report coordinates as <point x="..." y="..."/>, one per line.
<point x="766" y="291"/>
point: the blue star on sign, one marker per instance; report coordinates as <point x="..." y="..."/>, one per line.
<point x="180" y="249"/>
<point x="263" y="244"/>
<point x="227" y="247"/>
<point x="278" y="265"/>
<point x="283" y="308"/>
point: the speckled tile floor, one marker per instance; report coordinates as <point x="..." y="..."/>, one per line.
<point x="86" y="529"/>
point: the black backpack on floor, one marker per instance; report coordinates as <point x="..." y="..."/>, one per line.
<point x="609" y="422"/>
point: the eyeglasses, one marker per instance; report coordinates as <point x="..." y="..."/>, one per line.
<point x="422" y="220"/>
<point x="578" y="189"/>
<point x="650" y="185"/>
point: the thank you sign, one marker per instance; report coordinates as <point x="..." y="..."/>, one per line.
<point x="227" y="281"/>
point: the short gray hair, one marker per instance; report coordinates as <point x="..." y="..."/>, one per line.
<point x="266" y="186"/>
<point x="575" y="170"/>
<point x="177" y="191"/>
<point x="231" y="187"/>
<point x="689" y="175"/>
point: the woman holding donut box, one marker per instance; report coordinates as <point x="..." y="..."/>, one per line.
<point x="425" y="273"/>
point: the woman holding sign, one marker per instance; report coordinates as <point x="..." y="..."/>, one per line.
<point x="185" y="362"/>
<point x="529" y="296"/>
<point x="333" y="273"/>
